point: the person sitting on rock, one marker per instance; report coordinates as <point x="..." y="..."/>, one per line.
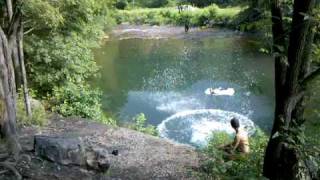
<point x="241" y="140"/>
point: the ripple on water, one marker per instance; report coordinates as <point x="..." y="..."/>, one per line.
<point x="195" y="126"/>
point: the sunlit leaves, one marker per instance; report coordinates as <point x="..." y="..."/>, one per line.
<point x="58" y="48"/>
<point x="41" y="14"/>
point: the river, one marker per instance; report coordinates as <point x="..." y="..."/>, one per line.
<point x="166" y="74"/>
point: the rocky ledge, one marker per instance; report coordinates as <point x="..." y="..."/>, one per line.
<point x="81" y="149"/>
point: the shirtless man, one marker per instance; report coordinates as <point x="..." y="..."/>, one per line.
<point x="241" y="140"/>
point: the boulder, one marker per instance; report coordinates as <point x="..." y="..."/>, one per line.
<point x="71" y="151"/>
<point x="62" y="150"/>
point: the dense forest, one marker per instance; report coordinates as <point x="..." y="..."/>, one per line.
<point x="48" y="65"/>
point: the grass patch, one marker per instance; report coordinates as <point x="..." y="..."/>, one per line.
<point x="218" y="167"/>
<point x="141" y="125"/>
<point x="39" y="115"/>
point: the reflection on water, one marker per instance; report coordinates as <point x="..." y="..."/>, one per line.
<point x="163" y="77"/>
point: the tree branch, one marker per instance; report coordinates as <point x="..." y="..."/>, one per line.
<point x="311" y="76"/>
<point x="28" y="31"/>
<point x="9" y="9"/>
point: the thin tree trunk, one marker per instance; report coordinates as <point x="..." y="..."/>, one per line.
<point x="14" y="47"/>
<point x="23" y="70"/>
<point x="16" y="63"/>
<point x="9" y="9"/>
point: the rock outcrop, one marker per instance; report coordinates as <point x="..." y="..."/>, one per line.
<point x="80" y="149"/>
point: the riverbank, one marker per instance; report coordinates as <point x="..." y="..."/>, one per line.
<point x="209" y="16"/>
<point x="75" y="148"/>
<point x="129" y="31"/>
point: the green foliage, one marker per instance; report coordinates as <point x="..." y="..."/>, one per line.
<point x="78" y="100"/>
<point x="306" y="145"/>
<point x="243" y="167"/>
<point x="43" y="14"/>
<point x="58" y="60"/>
<point x="58" y="47"/>
<point x="151" y="3"/>
<point x="203" y="3"/>
<point x="39" y="115"/>
<point x="140" y="125"/>
<point x="195" y="17"/>
<point x="121" y="4"/>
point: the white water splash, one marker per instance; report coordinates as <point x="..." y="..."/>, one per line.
<point x="220" y="91"/>
<point x="133" y="30"/>
<point x="202" y="123"/>
<point x="177" y="104"/>
<point x="173" y="102"/>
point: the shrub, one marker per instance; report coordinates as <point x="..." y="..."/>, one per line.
<point x="212" y="10"/>
<point x="249" y="167"/>
<point x="39" y="115"/>
<point x="195" y="17"/>
<point x="121" y="4"/>
<point x="58" y="60"/>
<point x="78" y="100"/>
<point x="59" y="55"/>
<point x="140" y="125"/>
<point x="152" y="3"/>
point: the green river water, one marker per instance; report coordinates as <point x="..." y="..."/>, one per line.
<point x="164" y="73"/>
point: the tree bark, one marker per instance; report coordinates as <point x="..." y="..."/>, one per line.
<point x="23" y="70"/>
<point x="279" y="50"/>
<point x="280" y="76"/>
<point x="9" y="9"/>
<point x="281" y="159"/>
<point x="8" y="35"/>
<point x="7" y="97"/>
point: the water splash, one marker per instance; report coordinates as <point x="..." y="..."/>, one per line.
<point x="195" y="126"/>
<point x="220" y="91"/>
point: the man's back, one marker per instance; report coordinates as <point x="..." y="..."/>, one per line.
<point x="243" y="140"/>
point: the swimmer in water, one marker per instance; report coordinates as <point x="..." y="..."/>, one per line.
<point x="241" y="140"/>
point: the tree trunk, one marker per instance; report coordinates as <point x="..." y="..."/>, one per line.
<point x="8" y="42"/>
<point x="7" y="97"/>
<point x="16" y="63"/>
<point x="282" y="159"/>
<point x="23" y="70"/>
<point x="9" y="9"/>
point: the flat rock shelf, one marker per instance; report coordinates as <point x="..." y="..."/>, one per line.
<point x="82" y="149"/>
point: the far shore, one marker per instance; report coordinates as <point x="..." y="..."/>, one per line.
<point x="127" y="31"/>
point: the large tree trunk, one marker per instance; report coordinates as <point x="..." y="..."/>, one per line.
<point x="282" y="158"/>
<point x="15" y="40"/>
<point x="7" y="96"/>
<point x="9" y="42"/>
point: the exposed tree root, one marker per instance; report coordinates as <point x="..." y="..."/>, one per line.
<point x="4" y="171"/>
<point x="4" y="156"/>
<point x="11" y="167"/>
